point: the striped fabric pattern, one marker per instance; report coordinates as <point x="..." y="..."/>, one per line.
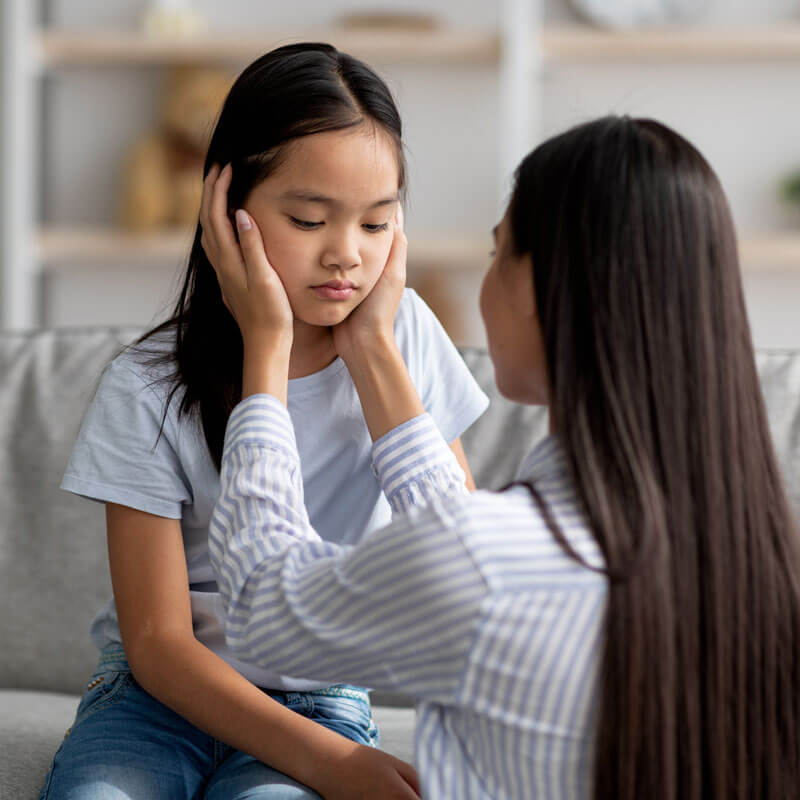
<point x="464" y="601"/>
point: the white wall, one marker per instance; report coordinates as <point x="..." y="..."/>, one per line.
<point x="745" y="118"/>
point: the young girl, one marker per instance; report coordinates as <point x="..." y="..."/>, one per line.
<point x="626" y="623"/>
<point x="312" y="140"/>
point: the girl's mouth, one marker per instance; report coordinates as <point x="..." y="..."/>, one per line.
<point x="335" y="290"/>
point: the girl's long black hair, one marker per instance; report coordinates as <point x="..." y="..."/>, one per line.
<point x="293" y="91"/>
<point x="656" y="398"/>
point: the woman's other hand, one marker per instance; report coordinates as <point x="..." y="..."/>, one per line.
<point x="251" y="289"/>
<point x="373" y="320"/>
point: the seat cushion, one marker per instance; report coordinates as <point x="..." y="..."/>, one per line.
<point x="396" y="726"/>
<point x="32" y="726"/>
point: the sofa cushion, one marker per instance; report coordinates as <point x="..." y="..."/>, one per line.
<point x="32" y="726"/>
<point x="53" y="562"/>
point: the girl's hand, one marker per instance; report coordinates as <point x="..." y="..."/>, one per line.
<point x="251" y="289"/>
<point x="369" y="773"/>
<point x="373" y="320"/>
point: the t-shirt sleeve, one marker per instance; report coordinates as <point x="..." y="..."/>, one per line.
<point x="122" y="455"/>
<point x="449" y="392"/>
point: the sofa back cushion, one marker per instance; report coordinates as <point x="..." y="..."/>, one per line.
<point x="53" y="560"/>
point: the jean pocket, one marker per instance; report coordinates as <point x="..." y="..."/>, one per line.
<point x="104" y="688"/>
<point x="349" y="717"/>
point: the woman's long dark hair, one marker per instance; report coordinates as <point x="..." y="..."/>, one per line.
<point x="655" y="395"/>
<point x="293" y="91"/>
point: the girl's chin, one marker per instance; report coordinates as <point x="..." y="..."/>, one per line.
<point x="326" y="317"/>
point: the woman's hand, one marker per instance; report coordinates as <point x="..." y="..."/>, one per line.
<point x="251" y="289"/>
<point x="369" y="773"/>
<point x="372" y="321"/>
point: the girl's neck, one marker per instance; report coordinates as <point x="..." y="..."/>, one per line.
<point x="312" y="349"/>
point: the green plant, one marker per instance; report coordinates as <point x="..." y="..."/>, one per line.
<point x="790" y="188"/>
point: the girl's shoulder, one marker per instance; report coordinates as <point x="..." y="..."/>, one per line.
<point x="148" y="360"/>
<point x="143" y="373"/>
<point x="416" y="321"/>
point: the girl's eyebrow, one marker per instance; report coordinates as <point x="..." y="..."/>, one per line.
<point x="314" y="197"/>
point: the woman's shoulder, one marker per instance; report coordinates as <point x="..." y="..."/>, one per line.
<point x="507" y="529"/>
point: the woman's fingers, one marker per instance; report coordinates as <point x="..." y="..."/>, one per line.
<point x="395" y="269"/>
<point x="218" y="210"/>
<point x="205" y="200"/>
<point x="252" y="245"/>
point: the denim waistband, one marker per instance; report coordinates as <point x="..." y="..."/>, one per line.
<point x="112" y="657"/>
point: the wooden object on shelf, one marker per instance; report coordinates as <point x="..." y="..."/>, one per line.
<point x="163" y="175"/>
<point x="434" y="289"/>
<point x="389" y="21"/>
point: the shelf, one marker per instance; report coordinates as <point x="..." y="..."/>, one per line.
<point x="571" y="43"/>
<point x="697" y="44"/>
<point x="64" y="249"/>
<point x="67" y="248"/>
<point x="62" y="48"/>
<point x="767" y="253"/>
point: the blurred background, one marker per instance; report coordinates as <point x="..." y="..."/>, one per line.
<point x="106" y="105"/>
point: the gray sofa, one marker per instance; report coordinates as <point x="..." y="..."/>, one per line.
<point x="53" y="568"/>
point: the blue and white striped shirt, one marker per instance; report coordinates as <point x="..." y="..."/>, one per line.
<point x="464" y="601"/>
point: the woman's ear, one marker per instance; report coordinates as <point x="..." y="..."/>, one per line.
<point x="519" y="271"/>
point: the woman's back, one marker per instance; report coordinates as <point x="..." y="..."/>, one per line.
<point x="522" y="719"/>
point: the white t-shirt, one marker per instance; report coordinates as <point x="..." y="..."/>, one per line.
<point x="119" y="458"/>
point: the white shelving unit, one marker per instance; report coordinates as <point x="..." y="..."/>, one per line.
<point x="33" y="250"/>
<point x="519" y="49"/>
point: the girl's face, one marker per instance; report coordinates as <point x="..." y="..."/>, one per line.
<point x="327" y="217"/>
<point x="513" y="332"/>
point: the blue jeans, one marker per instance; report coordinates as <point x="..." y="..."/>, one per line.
<point x="126" y="745"/>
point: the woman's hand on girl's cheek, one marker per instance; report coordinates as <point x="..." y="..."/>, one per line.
<point x="373" y="319"/>
<point x="251" y="289"/>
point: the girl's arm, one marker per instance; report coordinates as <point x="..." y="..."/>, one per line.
<point x="148" y="571"/>
<point x="398" y="611"/>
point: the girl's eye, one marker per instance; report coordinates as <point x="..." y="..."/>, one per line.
<point x="305" y="224"/>
<point x="377" y="228"/>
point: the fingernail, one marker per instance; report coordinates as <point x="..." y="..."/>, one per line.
<point x="243" y="220"/>
<point x="399" y="217"/>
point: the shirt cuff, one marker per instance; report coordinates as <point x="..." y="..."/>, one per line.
<point x="263" y="420"/>
<point x="413" y="450"/>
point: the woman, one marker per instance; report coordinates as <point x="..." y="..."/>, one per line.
<point x="625" y="623"/>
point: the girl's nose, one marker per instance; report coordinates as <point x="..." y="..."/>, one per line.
<point x="341" y="252"/>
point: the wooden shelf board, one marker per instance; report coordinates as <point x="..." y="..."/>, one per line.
<point x="570" y="43"/>
<point x="67" y="248"/>
<point x="583" y="43"/>
<point x="57" y="48"/>
<point x="770" y="252"/>
<point x="60" y="249"/>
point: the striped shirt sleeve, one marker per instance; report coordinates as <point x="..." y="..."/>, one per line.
<point x="397" y="611"/>
<point x="414" y="465"/>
